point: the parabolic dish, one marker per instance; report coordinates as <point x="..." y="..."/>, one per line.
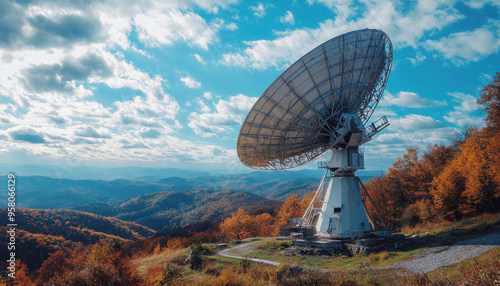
<point x="294" y="120"/>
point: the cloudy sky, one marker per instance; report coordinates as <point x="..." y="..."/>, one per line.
<point x="168" y="83"/>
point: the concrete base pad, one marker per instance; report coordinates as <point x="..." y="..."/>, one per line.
<point x="319" y="243"/>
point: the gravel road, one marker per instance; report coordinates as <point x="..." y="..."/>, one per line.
<point x="245" y="248"/>
<point x="432" y="258"/>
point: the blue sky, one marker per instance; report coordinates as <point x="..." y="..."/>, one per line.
<point x="168" y="83"/>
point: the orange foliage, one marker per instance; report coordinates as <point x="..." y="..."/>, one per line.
<point x="490" y="98"/>
<point x="292" y="208"/>
<point x="99" y="264"/>
<point x="175" y="243"/>
<point x="444" y="183"/>
<point x="263" y="224"/>
<point x="468" y="186"/>
<point x="403" y="195"/>
<point x="237" y="226"/>
<point x="304" y="204"/>
<point x="242" y="225"/>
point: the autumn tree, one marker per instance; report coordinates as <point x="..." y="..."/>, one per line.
<point x="242" y="225"/>
<point x="22" y="277"/>
<point x="490" y="99"/>
<point x="403" y="195"/>
<point x="175" y="243"/>
<point x="493" y="150"/>
<point x="306" y="201"/>
<point x="447" y="191"/>
<point x="237" y="226"/>
<point x="404" y="179"/>
<point x="263" y="225"/>
<point x="98" y="264"/>
<point x="383" y="199"/>
<point x="447" y="182"/>
<point x="461" y="135"/>
<point x="290" y="209"/>
<point x="468" y="185"/>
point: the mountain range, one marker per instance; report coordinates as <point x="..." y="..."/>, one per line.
<point x="55" y="193"/>
<point x="166" y="210"/>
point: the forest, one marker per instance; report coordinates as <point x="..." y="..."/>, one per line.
<point x="446" y="182"/>
<point x="423" y="187"/>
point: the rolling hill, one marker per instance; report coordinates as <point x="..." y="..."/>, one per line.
<point x="165" y="210"/>
<point x="47" y="193"/>
<point x="41" y="232"/>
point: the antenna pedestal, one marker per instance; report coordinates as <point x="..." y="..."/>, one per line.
<point x="337" y="210"/>
<point x="343" y="213"/>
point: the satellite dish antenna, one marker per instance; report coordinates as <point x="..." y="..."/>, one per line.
<point x="323" y="102"/>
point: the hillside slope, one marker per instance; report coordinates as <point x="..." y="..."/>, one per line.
<point x="77" y="226"/>
<point x="41" y="232"/>
<point x="165" y="210"/>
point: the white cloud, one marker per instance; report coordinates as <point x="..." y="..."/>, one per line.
<point x="463" y="119"/>
<point x="415" y="122"/>
<point x="468" y="46"/>
<point x="467" y="102"/>
<point x="199" y="58"/>
<point x="259" y="10"/>
<point x="342" y="8"/>
<point x="419" y="57"/>
<point x="404" y="29"/>
<point x="64" y="117"/>
<point x="209" y="5"/>
<point x="166" y="27"/>
<point x="231" y="26"/>
<point x="89" y="131"/>
<point x="288" y="18"/>
<point x="226" y="115"/>
<point x="149" y="111"/>
<point x="465" y="112"/>
<point x="27" y="134"/>
<point x="409" y="99"/>
<point x="191" y="82"/>
<point x="207" y="95"/>
<point x="381" y="111"/>
<point x="478" y="4"/>
<point x="392" y="143"/>
<point x="391" y="138"/>
<point x="202" y="106"/>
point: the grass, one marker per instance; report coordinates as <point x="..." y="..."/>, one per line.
<point x="270" y="250"/>
<point x="224" y="260"/>
<point x="273" y="245"/>
<point x="216" y="270"/>
<point x="484" y="223"/>
<point x="161" y="260"/>
<point x="172" y="268"/>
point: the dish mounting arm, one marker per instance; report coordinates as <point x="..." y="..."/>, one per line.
<point x="349" y="131"/>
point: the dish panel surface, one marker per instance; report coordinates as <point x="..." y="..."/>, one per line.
<point x="294" y="120"/>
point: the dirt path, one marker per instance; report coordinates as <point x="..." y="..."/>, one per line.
<point x="246" y="248"/>
<point x="433" y="258"/>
